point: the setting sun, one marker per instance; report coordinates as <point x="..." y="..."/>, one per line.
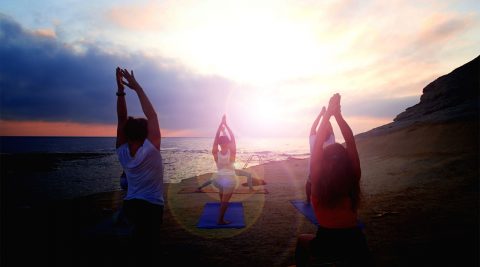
<point x="253" y="45"/>
<point x="264" y="110"/>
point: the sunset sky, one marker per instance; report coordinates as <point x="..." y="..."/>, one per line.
<point x="269" y="65"/>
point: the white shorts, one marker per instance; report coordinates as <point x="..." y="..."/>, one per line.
<point x="224" y="182"/>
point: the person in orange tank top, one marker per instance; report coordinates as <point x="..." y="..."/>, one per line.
<point x="335" y="195"/>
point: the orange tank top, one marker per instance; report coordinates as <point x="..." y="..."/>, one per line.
<point x="341" y="216"/>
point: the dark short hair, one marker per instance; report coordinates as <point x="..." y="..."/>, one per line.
<point x="136" y="129"/>
<point x="223" y="140"/>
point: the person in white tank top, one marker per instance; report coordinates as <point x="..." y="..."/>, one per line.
<point x="224" y="166"/>
<point x="224" y="157"/>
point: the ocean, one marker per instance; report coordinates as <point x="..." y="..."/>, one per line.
<point x="69" y="167"/>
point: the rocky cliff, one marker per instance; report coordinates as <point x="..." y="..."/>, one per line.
<point x="451" y="97"/>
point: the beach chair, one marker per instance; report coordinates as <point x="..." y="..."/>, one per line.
<point x="251" y="158"/>
<point x="256" y="175"/>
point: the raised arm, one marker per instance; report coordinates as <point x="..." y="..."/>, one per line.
<point x="349" y="141"/>
<point x="122" y="114"/>
<point x="313" y="130"/>
<point x="233" y="144"/>
<point x="147" y="107"/>
<point x="329" y="131"/>
<point x="317" y="153"/>
<point x="215" y="142"/>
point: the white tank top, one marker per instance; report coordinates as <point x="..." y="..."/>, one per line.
<point x="224" y="166"/>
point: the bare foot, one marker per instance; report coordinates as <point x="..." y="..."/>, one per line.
<point x="224" y="222"/>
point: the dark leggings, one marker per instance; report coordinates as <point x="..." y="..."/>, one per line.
<point x="347" y="245"/>
<point x="146" y="219"/>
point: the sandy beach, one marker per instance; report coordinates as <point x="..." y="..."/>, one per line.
<point x="420" y="208"/>
<point x="420" y="201"/>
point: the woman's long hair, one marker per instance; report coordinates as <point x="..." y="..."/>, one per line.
<point x="337" y="180"/>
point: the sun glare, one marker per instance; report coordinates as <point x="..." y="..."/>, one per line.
<point x="266" y="113"/>
<point x="264" y="110"/>
<point x="257" y="47"/>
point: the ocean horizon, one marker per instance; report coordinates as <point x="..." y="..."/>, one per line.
<point x="69" y="167"/>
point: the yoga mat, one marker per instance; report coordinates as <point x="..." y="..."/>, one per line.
<point x="255" y="182"/>
<point x="189" y="190"/>
<point x="306" y="210"/>
<point x="234" y="214"/>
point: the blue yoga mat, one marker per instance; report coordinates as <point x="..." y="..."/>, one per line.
<point x="306" y="210"/>
<point x="234" y="214"/>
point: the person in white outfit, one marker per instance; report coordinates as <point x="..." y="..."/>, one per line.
<point x="138" y="150"/>
<point x="238" y="172"/>
<point x="225" y="179"/>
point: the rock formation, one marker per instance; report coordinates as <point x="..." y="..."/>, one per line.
<point x="451" y="97"/>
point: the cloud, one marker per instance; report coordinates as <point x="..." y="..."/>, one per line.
<point x="141" y="17"/>
<point x="44" y="79"/>
<point x="378" y="107"/>
<point x="46" y="33"/>
<point x="368" y="108"/>
<point x="293" y="55"/>
<point x="46" y="128"/>
<point x="43" y="128"/>
<point x="271" y="41"/>
<point x="436" y="31"/>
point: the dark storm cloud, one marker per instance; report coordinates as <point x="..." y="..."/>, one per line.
<point x="44" y="79"/>
<point x="378" y="107"/>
